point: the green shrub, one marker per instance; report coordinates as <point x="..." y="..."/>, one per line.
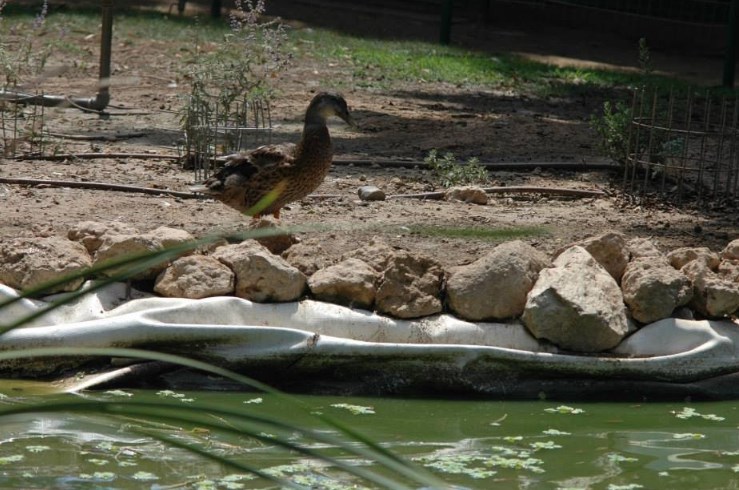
<point x="613" y="129"/>
<point x="448" y="172"/>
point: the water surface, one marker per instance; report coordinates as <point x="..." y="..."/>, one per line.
<point x="474" y="444"/>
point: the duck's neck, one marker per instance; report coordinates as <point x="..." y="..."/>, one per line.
<point x="315" y="140"/>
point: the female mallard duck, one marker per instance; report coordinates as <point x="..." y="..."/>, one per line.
<point x="263" y="180"/>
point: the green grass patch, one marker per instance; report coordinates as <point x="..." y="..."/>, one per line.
<point x="477" y="233"/>
<point x="380" y="63"/>
<point x="368" y="63"/>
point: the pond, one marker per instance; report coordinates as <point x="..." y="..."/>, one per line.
<point x="475" y="444"/>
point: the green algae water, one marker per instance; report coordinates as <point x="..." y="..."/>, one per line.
<point x="470" y="444"/>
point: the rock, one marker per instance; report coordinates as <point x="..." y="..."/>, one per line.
<point x="680" y="257"/>
<point x="577" y="305"/>
<point x="351" y="282"/>
<point x="116" y="246"/>
<point x="472" y="194"/>
<point x="410" y="286"/>
<point x="371" y="193"/>
<point x="610" y="250"/>
<point x="260" y="275"/>
<point x="90" y="233"/>
<point x="728" y="270"/>
<point x="376" y="253"/>
<point x="643" y="247"/>
<point x="307" y="257"/>
<point x="26" y="263"/>
<point x="195" y="277"/>
<point x="653" y="289"/>
<point x="731" y="251"/>
<point x="712" y="296"/>
<point x="495" y="285"/>
<point x="277" y="240"/>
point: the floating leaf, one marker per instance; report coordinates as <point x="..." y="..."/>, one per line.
<point x="13" y="458"/>
<point x="37" y="449"/>
<point x="688" y="435"/>
<point x="620" y="458"/>
<point x="513" y="438"/>
<point x="545" y="445"/>
<point x="555" y="432"/>
<point x="688" y="412"/>
<point x="119" y="393"/>
<point x="355" y="409"/>
<point x="565" y="410"/>
<point x="458" y="464"/>
<point x="144" y="476"/>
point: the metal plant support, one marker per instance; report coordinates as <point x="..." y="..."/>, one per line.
<point x="21" y="130"/>
<point x="683" y="145"/>
<point x="214" y="128"/>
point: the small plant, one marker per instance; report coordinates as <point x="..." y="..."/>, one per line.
<point x="613" y="129"/>
<point x="645" y="58"/>
<point x="241" y="66"/>
<point x="448" y="172"/>
<point x="613" y="125"/>
<point x="231" y="84"/>
<point x="24" y="58"/>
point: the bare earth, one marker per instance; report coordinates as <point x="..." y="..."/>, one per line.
<point x="400" y="123"/>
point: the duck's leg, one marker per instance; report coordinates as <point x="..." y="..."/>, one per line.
<point x="276" y="214"/>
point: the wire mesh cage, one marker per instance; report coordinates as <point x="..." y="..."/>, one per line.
<point x="216" y="126"/>
<point x="22" y="129"/>
<point x="683" y="144"/>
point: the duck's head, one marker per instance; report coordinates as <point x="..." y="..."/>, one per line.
<point x="327" y="104"/>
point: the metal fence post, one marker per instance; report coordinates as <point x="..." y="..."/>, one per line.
<point x="730" y="56"/>
<point x="446" y="21"/>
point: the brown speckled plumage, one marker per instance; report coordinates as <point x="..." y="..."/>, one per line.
<point x="263" y="180"/>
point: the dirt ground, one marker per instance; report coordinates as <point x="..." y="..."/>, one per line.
<point x="402" y="123"/>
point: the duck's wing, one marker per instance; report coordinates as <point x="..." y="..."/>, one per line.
<point x="268" y="156"/>
<point x="251" y="166"/>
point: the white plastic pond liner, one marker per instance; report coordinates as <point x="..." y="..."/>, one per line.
<point x="308" y="341"/>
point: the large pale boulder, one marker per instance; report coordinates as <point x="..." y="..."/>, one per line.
<point x="307" y="256"/>
<point x="410" y="286"/>
<point x="728" y="270"/>
<point x="376" y="253"/>
<point x="260" y="275"/>
<point x="682" y="256"/>
<point x="643" y="247"/>
<point x="26" y="263"/>
<point x="115" y="247"/>
<point x="610" y="250"/>
<point x="195" y="277"/>
<point x="713" y="296"/>
<point x="272" y="236"/>
<point x="470" y="193"/>
<point x="90" y="233"/>
<point x="653" y="289"/>
<point x="495" y="286"/>
<point x="351" y="282"/>
<point x="731" y="251"/>
<point x="577" y="305"/>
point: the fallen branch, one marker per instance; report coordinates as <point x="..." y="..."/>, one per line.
<point x="92" y="156"/>
<point x="559" y="191"/>
<point x="594" y="164"/>
<point x="105" y="186"/>
<point x="102" y="186"/>
<point x="97" y="137"/>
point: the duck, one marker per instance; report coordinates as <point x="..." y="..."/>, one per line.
<point x="261" y="181"/>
